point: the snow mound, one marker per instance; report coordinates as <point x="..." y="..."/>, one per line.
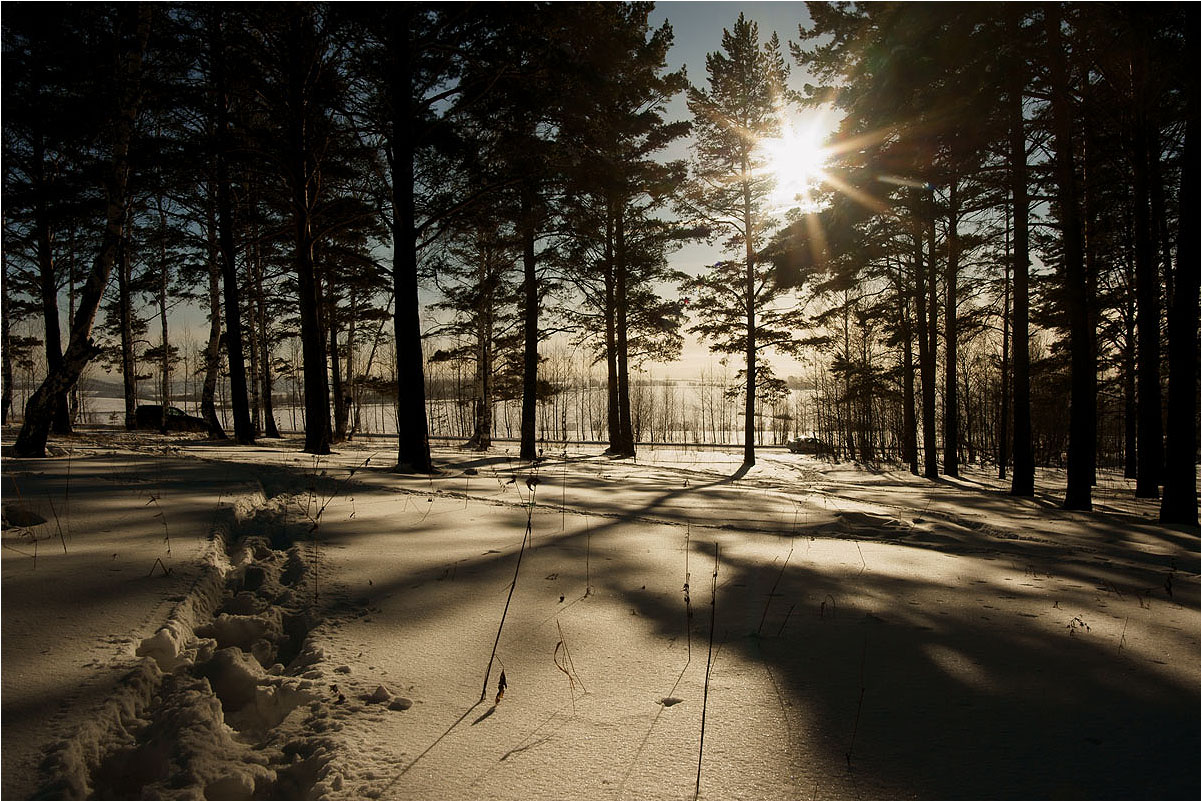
<point x="69" y="764"/>
<point x="200" y="715"/>
<point x="185" y="752"/>
<point x="251" y="699"/>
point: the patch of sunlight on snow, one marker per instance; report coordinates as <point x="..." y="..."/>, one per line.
<point x="958" y="666"/>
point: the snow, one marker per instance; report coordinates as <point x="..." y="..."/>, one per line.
<point x="203" y="620"/>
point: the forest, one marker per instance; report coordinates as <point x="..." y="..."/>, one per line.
<point x="985" y="264"/>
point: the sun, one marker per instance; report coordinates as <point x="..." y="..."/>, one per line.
<point x="796" y="160"/>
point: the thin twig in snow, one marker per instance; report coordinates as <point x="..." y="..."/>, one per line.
<point x="57" y="524"/>
<point x="709" y="662"/>
<point x="533" y="485"/>
<point x="772" y="592"/>
<point x="860" y="705"/>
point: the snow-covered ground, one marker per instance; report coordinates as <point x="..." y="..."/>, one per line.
<point x="202" y="620"/>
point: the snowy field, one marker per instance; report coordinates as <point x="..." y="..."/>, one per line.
<point x="183" y="619"/>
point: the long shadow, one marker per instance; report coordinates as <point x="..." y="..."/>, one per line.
<point x="951" y="707"/>
<point x="918" y="702"/>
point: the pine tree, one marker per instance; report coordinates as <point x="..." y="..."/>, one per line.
<point x="728" y="193"/>
<point x="609" y="133"/>
<point x="132" y="30"/>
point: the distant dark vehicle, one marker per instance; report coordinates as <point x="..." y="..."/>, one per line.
<point x="807" y="445"/>
<point x="150" y="416"/>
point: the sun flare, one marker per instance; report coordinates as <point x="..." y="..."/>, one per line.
<point x="797" y="160"/>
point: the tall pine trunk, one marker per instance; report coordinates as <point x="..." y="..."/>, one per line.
<point x="6" y="351"/>
<point x="1022" y="482"/>
<point x="529" y="446"/>
<point x="749" y="300"/>
<point x="1150" y="449"/>
<point x="129" y="368"/>
<point x="302" y="172"/>
<point x="1180" y="502"/>
<point x="39" y="410"/>
<point x="413" y="432"/>
<point x="951" y="405"/>
<point x="48" y="284"/>
<point x="240" y="406"/>
<point x="212" y="353"/>
<point x="611" y="339"/>
<point x="622" y="298"/>
<point x="909" y="416"/>
<point x="1003" y="420"/>
<point x="924" y="295"/>
<point x="165" y="357"/>
<point x="1083" y="395"/>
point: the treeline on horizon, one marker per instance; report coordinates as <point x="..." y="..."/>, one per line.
<point x="994" y="256"/>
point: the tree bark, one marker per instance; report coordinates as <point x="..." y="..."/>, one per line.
<point x="129" y="368"/>
<point x="31" y="441"/>
<point x="244" y="431"/>
<point x="1150" y="449"/>
<point x="481" y="438"/>
<point x="6" y="351"/>
<point x="208" y="392"/>
<point x="48" y="284"/>
<point x="1022" y="481"/>
<point x="1003" y="423"/>
<point x="413" y="438"/>
<point x="928" y="334"/>
<point x="622" y="298"/>
<point x="165" y="360"/>
<point x="1083" y="390"/>
<point x="529" y="448"/>
<point x="338" y="383"/>
<point x="749" y="300"/>
<point x="951" y="405"/>
<point x="611" y="338"/>
<point x="909" y="413"/>
<point x="269" y="425"/>
<point x="1180" y="502"/>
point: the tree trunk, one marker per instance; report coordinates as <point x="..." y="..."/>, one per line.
<point x="129" y="369"/>
<point x="611" y="339"/>
<point x="927" y="341"/>
<point x="1003" y="423"/>
<point x="48" y="284"/>
<point x="208" y="392"/>
<point x="269" y="425"/>
<point x="621" y="296"/>
<point x="1150" y="450"/>
<point x="1023" y="479"/>
<point x="413" y="432"/>
<point x="252" y="349"/>
<point x="31" y="441"/>
<point x="481" y="438"/>
<point x="338" y="385"/>
<point x="350" y="386"/>
<point x="909" y="416"/>
<point x="243" y="428"/>
<point x="165" y="361"/>
<point x="749" y="300"/>
<point x="1089" y="194"/>
<point x="951" y="406"/>
<point x="6" y="351"/>
<point x="258" y="310"/>
<point x="1083" y="393"/>
<point x="529" y="448"/>
<point x="1180" y="502"/>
